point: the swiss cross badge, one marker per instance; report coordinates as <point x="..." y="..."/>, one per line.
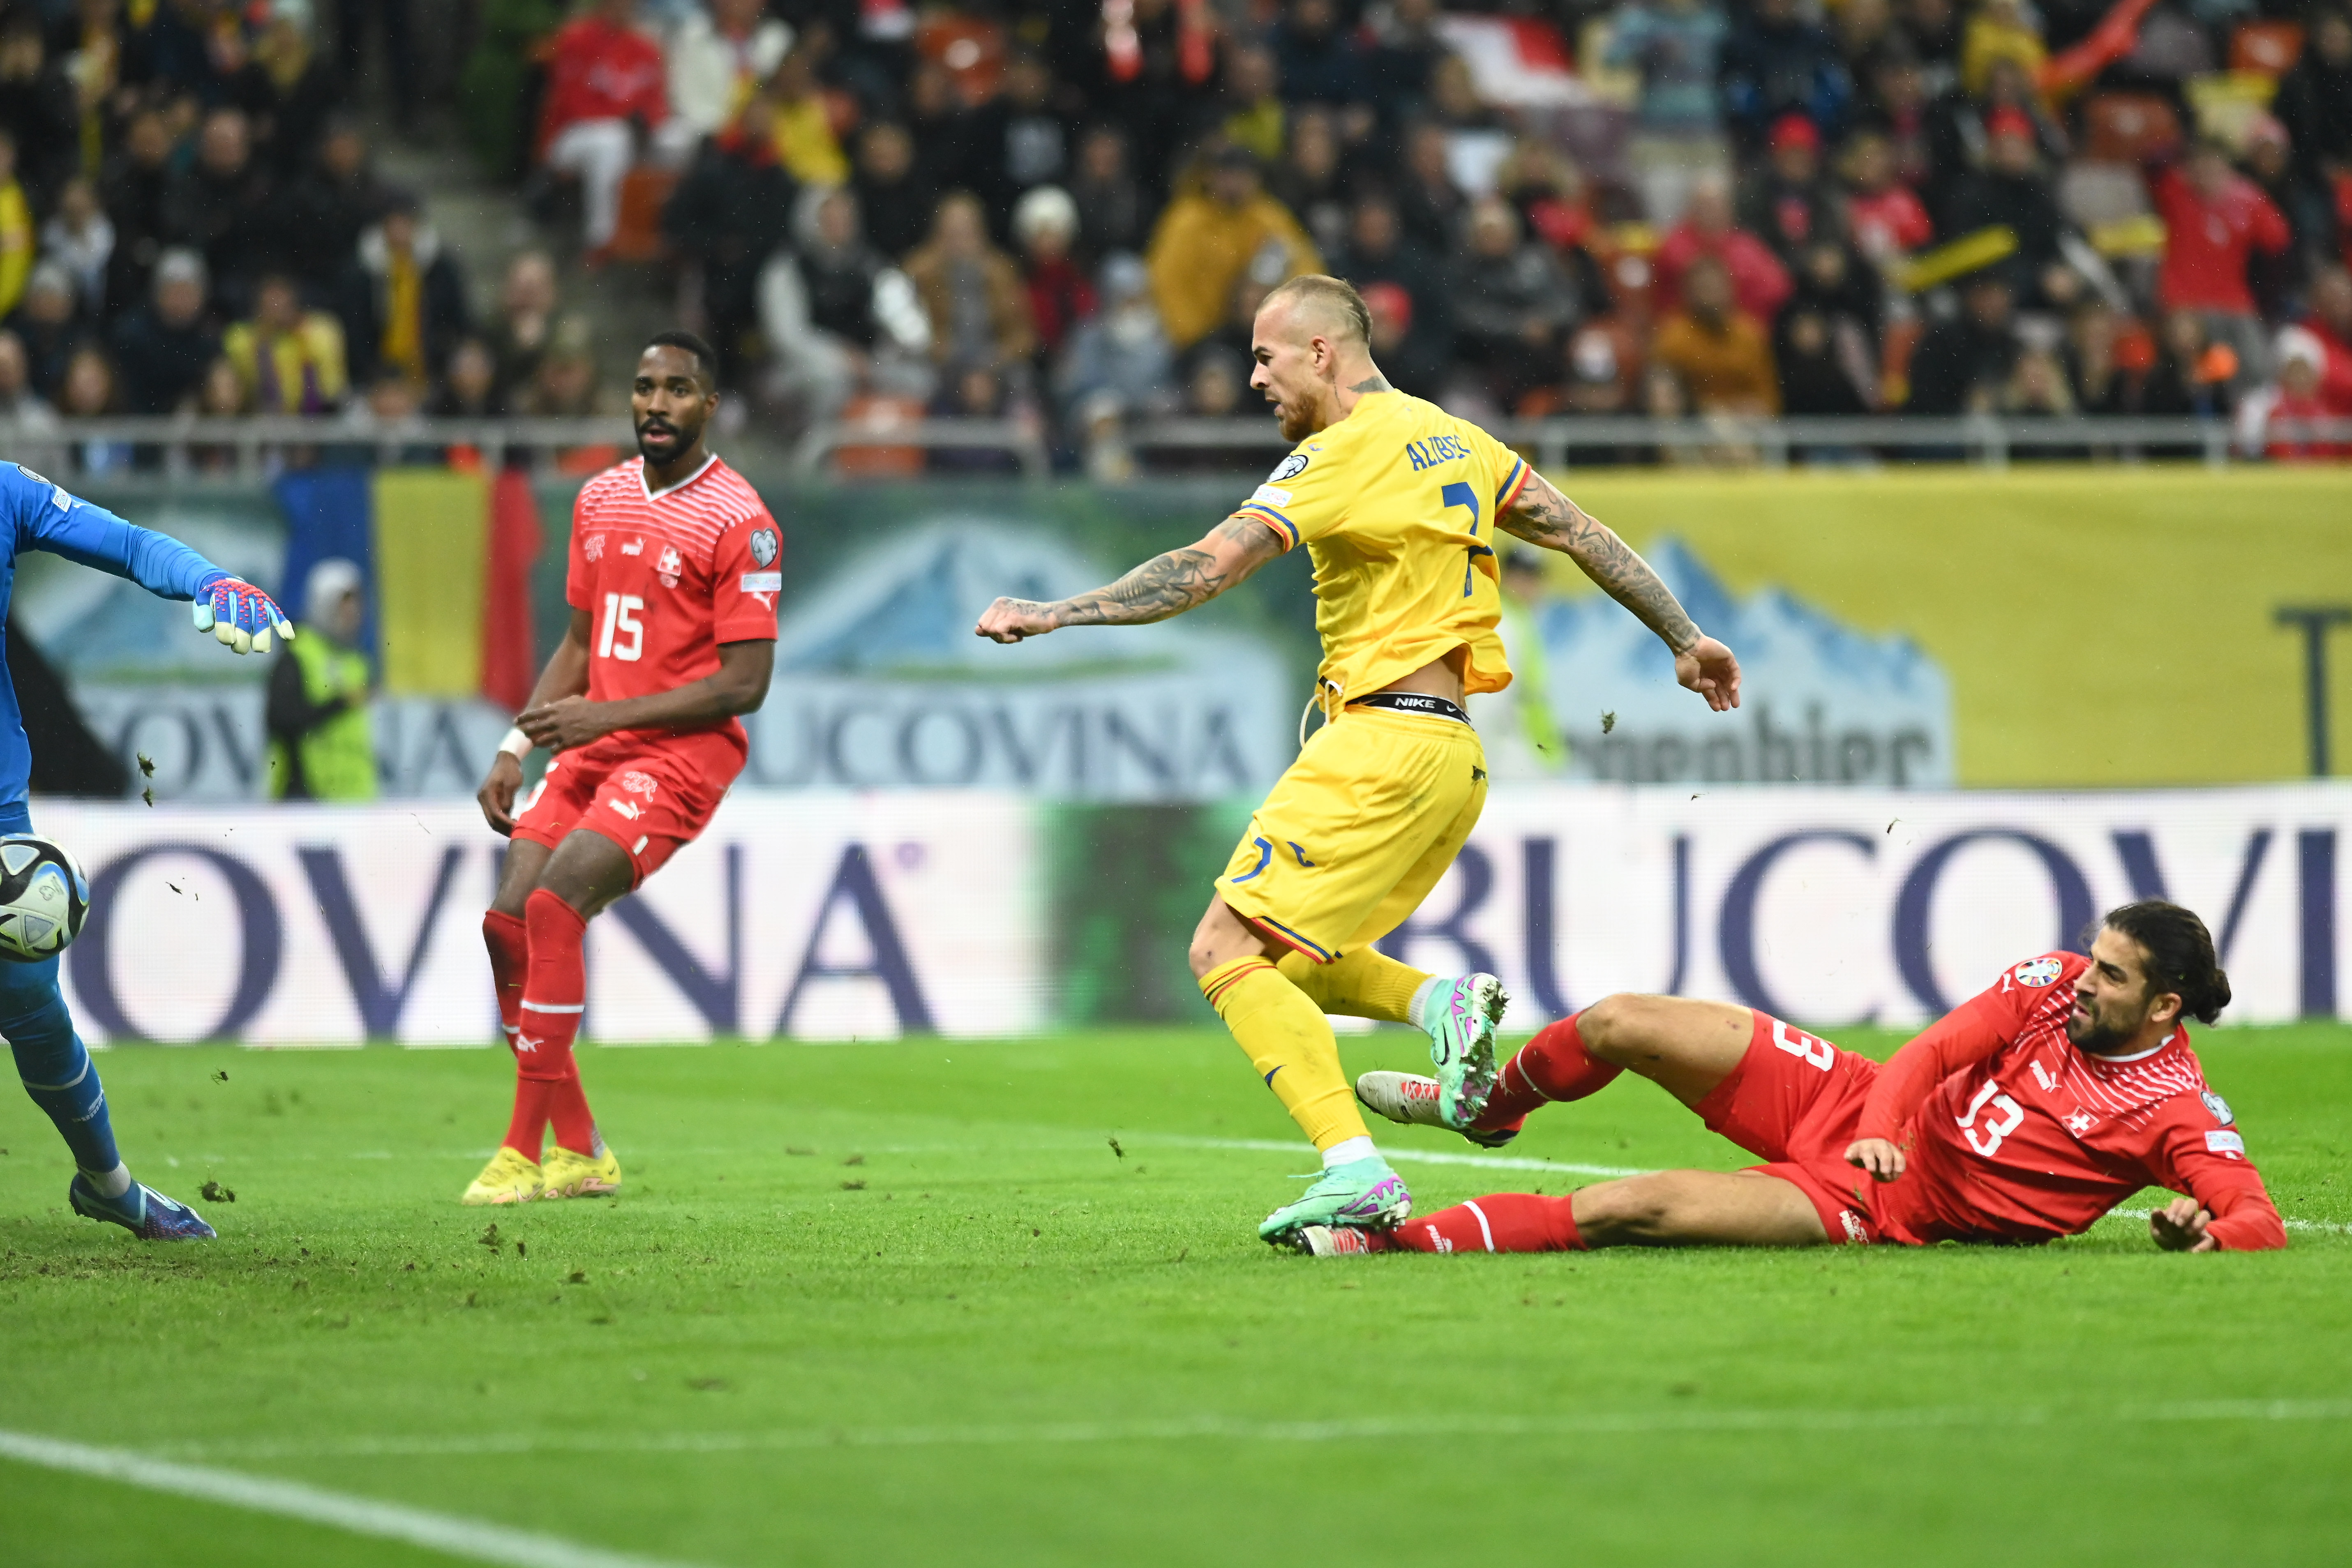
<point x="637" y="783"/>
<point x="593" y="549"/>
<point x="669" y="567"/>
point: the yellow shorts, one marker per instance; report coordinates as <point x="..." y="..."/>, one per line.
<point x="1358" y="829"/>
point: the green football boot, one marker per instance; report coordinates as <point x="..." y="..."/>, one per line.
<point x="1460" y="1017"/>
<point x="1365" y="1194"/>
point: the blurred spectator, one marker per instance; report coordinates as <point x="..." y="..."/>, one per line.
<point x="604" y="90"/>
<point x="166" y="345"/>
<point x="1254" y="113"/>
<point x="1884" y="217"/>
<point x="2214" y="220"/>
<point x="2269" y="166"/>
<point x="393" y="408"/>
<point x="1715" y="350"/>
<point x="564" y="383"/>
<point x="1899" y="108"/>
<point x="1932" y="29"/>
<point x="1309" y="181"/>
<point x="2037" y="387"/>
<point x="1961" y="365"/>
<point x="1318" y="61"/>
<point x="38" y="109"/>
<point x="1515" y="304"/>
<point x="2094" y="352"/>
<point x="290" y="93"/>
<point x="1831" y="279"/>
<point x="2011" y="191"/>
<point x="322" y="746"/>
<point x="404" y="298"/>
<point x="291" y="360"/>
<point x="1400" y="352"/>
<point x="470" y="387"/>
<point x="17" y="240"/>
<point x="974" y="391"/>
<point x="1759" y="283"/>
<point x="133" y="190"/>
<point x="1378" y="252"/>
<point x="942" y="127"/>
<point x="1428" y="201"/>
<point x="1397" y="68"/>
<point x="221" y="395"/>
<point x="221" y="204"/>
<point x="892" y="196"/>
<point x="1207" y="238"/>
<point x="1603" y="369"/>
<point x="1121" y="362"/>
<point x="729" y="212"/>
<point x="802" y="123"/>
<point x="1021" y="140"/>
<point x="1777" y="63"/>
<point x="1958" y="128"/>
<point x="1788" y="203"/>
<point x="1999" y="30"/>
<point x="833" y="310"/>
<point x="332" y="204"/>
<point x="81" y="239"/>
<point x="2296" y="395"/>
<point x="2315" y="99"/>
<point x="2330" y="322"/>
<point x="1476" y="138"/>
<point x="970" y="291"/>
<point x="22" y="409"/>
<point x="48" y="323"/>
<point x="1114" y="214"/>
<point x="1045" y="224"/>
<point x="89" y="394"/>
<point x="717" y="61"/>
<point x="1815" y="377"/>
<point x="1676" y="46"/>
<point x="526" y="315"/>
<point x="2191" y="374"/>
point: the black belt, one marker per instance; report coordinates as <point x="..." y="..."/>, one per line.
<point x="1413" y="702"/>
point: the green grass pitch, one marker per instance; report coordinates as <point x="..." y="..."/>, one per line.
<point x="904" y="1303"/>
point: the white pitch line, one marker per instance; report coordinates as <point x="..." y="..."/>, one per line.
<point x="1426" y="1156"/>
<point x="1355" y="1429"/>
<point x="467" y="1538"/>
<point x="2320" y="1225"/>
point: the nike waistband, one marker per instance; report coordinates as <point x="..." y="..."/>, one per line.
<point x="1413" y="702"/>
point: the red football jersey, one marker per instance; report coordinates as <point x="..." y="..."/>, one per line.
<point x="2028" y="1138"/>
<point x="666" y="578"/>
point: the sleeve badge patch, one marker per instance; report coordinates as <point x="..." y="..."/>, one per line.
<point x="29" y="473"/>
<point x="2218" y="1106"/>
<point x="2041" y="972"/>
<point x="1271" y="494"/>
<point x="2225" y="1144"/>
<point x="1291" y="468"/>
<point x="764" y="546"/>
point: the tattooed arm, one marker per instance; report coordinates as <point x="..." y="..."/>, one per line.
<point x="1163" y="586"/>
<point x="1544" y="516"/>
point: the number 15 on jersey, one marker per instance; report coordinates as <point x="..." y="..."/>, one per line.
<point x="624" y="635"/>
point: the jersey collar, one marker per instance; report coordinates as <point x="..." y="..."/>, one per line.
<point x="2171" y="1039"/>
<point x="682" y="484"/>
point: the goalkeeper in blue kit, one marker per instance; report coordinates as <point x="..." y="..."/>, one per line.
<point x="55" y="1068"/>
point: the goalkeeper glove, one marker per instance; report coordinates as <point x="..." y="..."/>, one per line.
<point x="240" y="614"/>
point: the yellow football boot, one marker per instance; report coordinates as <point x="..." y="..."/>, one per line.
<point x="511" y="1177"/>
<point x="567" y="1173"/>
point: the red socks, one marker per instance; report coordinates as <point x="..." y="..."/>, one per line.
<point x="510" y="948"/>
<point x="554" y="994"/>
<point x="1552" y="1066"/>
<point x="1504" y="1222"/>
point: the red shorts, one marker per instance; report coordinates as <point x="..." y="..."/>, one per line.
<point x="1796" y="1100"/>
<point x="649" y="794"/>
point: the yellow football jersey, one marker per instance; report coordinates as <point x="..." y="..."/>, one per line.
<point x="1396" y="504"/>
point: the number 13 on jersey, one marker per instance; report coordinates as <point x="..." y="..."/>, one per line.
<point x="624" y="634"/>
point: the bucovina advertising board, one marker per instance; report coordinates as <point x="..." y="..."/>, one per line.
<point x="840" y="916"/>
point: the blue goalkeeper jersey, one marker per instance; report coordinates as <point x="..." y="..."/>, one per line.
<point x="38" y="515"/>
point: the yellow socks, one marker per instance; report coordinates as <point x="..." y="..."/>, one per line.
<point x="1290" y="1044"/>
<point x="1367" y="983"/>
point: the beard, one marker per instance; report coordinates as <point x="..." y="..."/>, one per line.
<point x="1294" y="425"/>
<point x="2102" y="1034"/>
<point x="668" y="440"/>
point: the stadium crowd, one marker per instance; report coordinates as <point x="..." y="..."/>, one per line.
<point x="1063" y="212"/>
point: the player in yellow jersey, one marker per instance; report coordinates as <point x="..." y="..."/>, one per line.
<point x="1397" y="502"/>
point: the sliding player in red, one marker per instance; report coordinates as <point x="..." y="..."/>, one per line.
<point x="672" y="591"/>
<point x="2026" y="1113"/>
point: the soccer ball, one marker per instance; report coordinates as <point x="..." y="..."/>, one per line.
<point x="44" y="898"/>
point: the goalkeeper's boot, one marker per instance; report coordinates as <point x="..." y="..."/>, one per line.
<point x="142" y="1211"/>
<point x="1337" y="1241"/>
<point x="1460" y="1017"/>
<point x="1417" y="1102"/>
<point x="1363" y="1193"/>
<point x="568" y="1173"/>
<point x="511" y="1177"/>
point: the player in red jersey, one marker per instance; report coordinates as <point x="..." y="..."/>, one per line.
<point x="673" y="591"/>
<point x="2025" y="1113"/>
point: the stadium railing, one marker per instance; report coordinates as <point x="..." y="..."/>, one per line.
<point x="255" y="446"/>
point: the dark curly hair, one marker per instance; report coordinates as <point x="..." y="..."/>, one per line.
<point x="2180" y="956"/>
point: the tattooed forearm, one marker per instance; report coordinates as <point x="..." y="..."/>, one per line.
<point x="1542" y="516"/>
<point x="1172" y="583"/>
